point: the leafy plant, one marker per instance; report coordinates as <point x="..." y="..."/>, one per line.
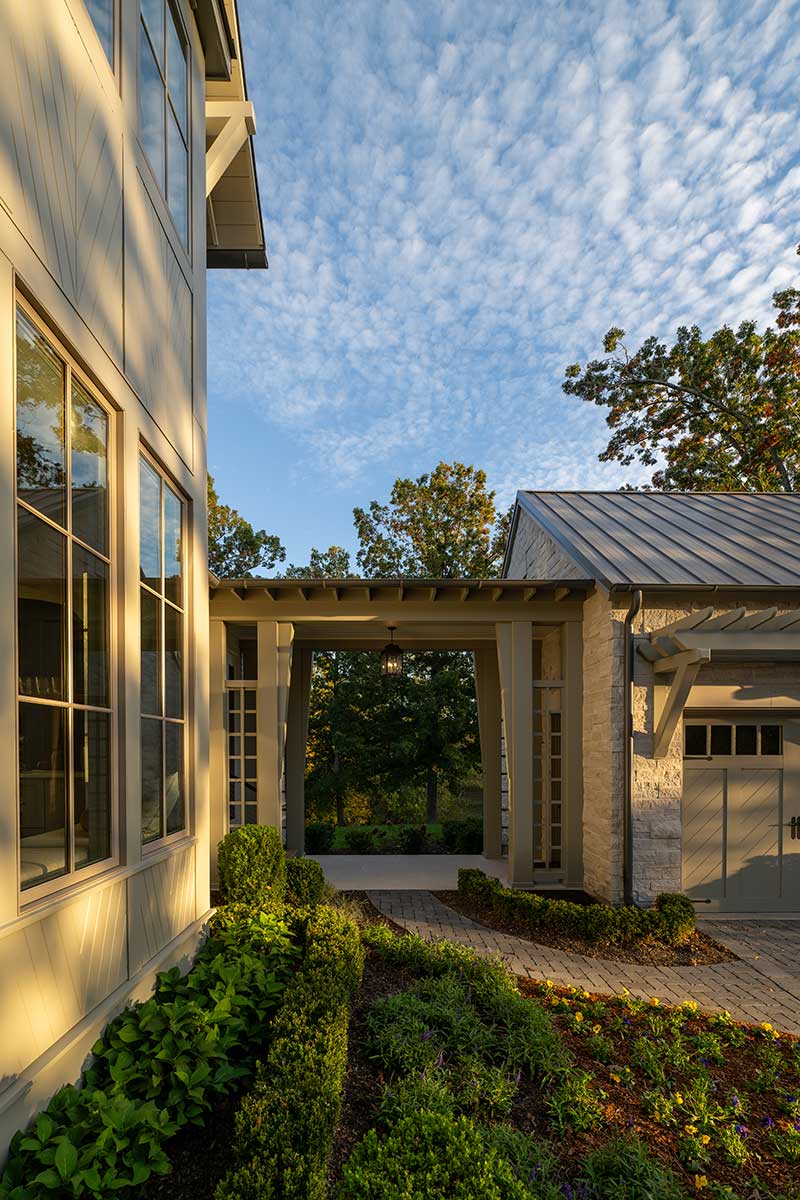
<point x="433" y="1155"/>
<point x="624" y="1170"/>
<point x="359" y="840"/>
<point x="305" y="881"/>
<point x="573" y="1104"/>
<point x="252" y="865"/>
<point x="412" y="839"/>
<point x="463" y="835"/>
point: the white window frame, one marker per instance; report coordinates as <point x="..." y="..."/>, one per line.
<point x="167" y="839"/>
<point x="73" y="877"/>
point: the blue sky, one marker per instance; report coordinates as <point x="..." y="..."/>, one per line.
<point x="460" y="198"/>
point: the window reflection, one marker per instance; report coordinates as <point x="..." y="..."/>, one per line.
<point x="150" y="525"/>
<point x="41" y="478"/>
<point x="151" y="655"/>
<point x="89" y="628"/>
<point x="173" y="550"/>
<point x="42" y="792"/>
<point x="173" y="659"/>
<point x="91" y="775"/>
<point x="89" y="470"/>
<point x="176" y="818"/>
<point x="41" y="608"/>
<point x="152" y="775"/>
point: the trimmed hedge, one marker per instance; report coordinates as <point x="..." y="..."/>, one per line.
<point x="672" y="920"/>
<point x="305" y="881"/>
<point x="463" y="836"/>
<point x="252" y="866"/>
<point x="319" y="837"/>
<point x="285" y="1126"/>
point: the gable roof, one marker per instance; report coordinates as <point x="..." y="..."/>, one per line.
<point x="640" y="539"/>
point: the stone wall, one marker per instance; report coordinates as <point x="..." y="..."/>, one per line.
<point x="603" y="747"/>
<point x="534" y="554"/>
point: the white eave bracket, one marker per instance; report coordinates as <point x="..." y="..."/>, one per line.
<point x="229" y="123"/>
<point x="681" y="648"/>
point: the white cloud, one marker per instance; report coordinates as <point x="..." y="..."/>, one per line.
<point x="459" y="199"/>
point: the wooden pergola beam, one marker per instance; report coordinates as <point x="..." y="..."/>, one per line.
<point x="686" y="666"/>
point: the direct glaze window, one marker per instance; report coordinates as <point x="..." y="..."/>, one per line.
<point x="103" y="13"/>
<point x="164" y="105"/>
<point x="727" y="740"/>
<point x="162" y="612"/>
<point x="63" y="614"/>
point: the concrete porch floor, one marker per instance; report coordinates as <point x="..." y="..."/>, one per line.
<point x="406" y="872"/>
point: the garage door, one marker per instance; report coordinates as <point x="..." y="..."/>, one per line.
<point x="741" y="815"/>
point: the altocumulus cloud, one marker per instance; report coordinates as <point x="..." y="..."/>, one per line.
<point x="461" y="197"/>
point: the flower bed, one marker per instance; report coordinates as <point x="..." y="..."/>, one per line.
<point x="463" y="1085"/>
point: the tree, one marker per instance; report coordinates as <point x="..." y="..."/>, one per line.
<point x="443" y="525"/>
<point x="333" y="563"/>
<point x="235" y="549"/>
<point x="722" y="412"/>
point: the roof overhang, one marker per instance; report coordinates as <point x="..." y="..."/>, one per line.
<point x="234" y="226"/>
<point x="427" y="613"/>
<point x="215" y="38"/>
<point x="679" y="650"/>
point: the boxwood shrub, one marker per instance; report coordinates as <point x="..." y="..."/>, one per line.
<point x="672" y="920"/>
<point x="305" y="881"/>
<point x="252" y="866"/>
<point x="463" y="836"/>
<point x="285" y="1126"/>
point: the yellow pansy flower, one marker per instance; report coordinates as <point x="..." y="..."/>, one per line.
<point x="616" y="1078"/>
<point x="596" y="1028"/>
<point x="690" y="1128"/>
<point x="678" y="1098"/>
<point x="578" y="1017"/>
<point x="700" y="1181"/>
<point x="654" y="1000"/>
<point x="704" y="1139"/>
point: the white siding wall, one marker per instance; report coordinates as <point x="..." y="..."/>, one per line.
<point x="86" y="235"/>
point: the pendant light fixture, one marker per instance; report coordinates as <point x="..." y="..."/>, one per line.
<point x="391" y="656"/>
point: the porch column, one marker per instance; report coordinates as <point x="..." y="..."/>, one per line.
<point x="218" y="822"/>
<point x="487" y="690"/>
<point x="515" y="662"/>
<point x="572" y="755"/>
<point x="272" y="698"/>
<point x="296" y="737"/>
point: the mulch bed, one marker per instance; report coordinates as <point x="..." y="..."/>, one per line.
<point x="700" y="950"/>
<point x="200" y="1156"/>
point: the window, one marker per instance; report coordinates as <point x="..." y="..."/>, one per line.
<point x="164" y="106"/>
<point x="242" y="760"/>
<point x="727" y="739"/>
<point x="102" y="14"/>
<point x="161" y="593"/>
<point x="63" y="614"/>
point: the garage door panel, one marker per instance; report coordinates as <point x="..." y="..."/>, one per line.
<point x="703" y="833"/>
<point x="753" y="844"/>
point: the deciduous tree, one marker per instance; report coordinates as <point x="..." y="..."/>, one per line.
<point x="722" y="413"/>
<point x="235" y="549"/>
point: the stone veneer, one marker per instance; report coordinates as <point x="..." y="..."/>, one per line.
<point x="534" y="554"/>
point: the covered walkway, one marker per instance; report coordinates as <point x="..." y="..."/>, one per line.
<point x="526" y="640"/>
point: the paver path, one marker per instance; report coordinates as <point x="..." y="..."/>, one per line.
<point x="763" y="986"/>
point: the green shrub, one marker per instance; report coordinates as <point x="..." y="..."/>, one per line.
<point x="252" y="865"/>
<point x="463" y="835"/>
<point x="624" y="1170"/>
<point x="319" y="837"/>
<point x="157" y="1066"/>
<point x="411" y="839"/>
<point x="533" y="1162"/>
<point x="672" y="919"/>
<point x="433" y="1155"/>
<point x="305" y="881"/>
<point x="359" y="840"/>
<point x="286" y="1124"/>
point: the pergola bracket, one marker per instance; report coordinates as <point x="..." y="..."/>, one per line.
<point x="670" y="699"/>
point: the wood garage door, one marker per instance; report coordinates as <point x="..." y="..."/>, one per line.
<point x="741" y="815"/>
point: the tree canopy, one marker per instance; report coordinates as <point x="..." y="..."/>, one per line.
<point x="235" y="549"/>
<point x="722" y="413"/>
<point x="443" y="524"/>
<point x="333" y="563"/>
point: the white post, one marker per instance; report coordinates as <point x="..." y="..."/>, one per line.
<point x="515" y="662"/>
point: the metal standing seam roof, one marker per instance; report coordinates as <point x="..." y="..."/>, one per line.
<point x="640" y="539"/>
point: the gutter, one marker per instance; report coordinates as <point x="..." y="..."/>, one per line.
<point x="627" y="724"/>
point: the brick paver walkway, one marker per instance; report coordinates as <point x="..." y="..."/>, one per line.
<point x="763" y="986"/>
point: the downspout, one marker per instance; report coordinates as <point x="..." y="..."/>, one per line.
<point x="627" y="725"/>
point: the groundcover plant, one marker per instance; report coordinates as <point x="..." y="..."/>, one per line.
<point x="484" y="1088"/>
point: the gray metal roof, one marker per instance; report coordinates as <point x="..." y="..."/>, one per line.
<point x="719" y="539"/>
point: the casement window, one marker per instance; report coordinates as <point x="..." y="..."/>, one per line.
<point x="103" y="14"/>
<point x="164" y="105"/>
<point x="64" y="582"/>
<point x="163" y="634"/>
